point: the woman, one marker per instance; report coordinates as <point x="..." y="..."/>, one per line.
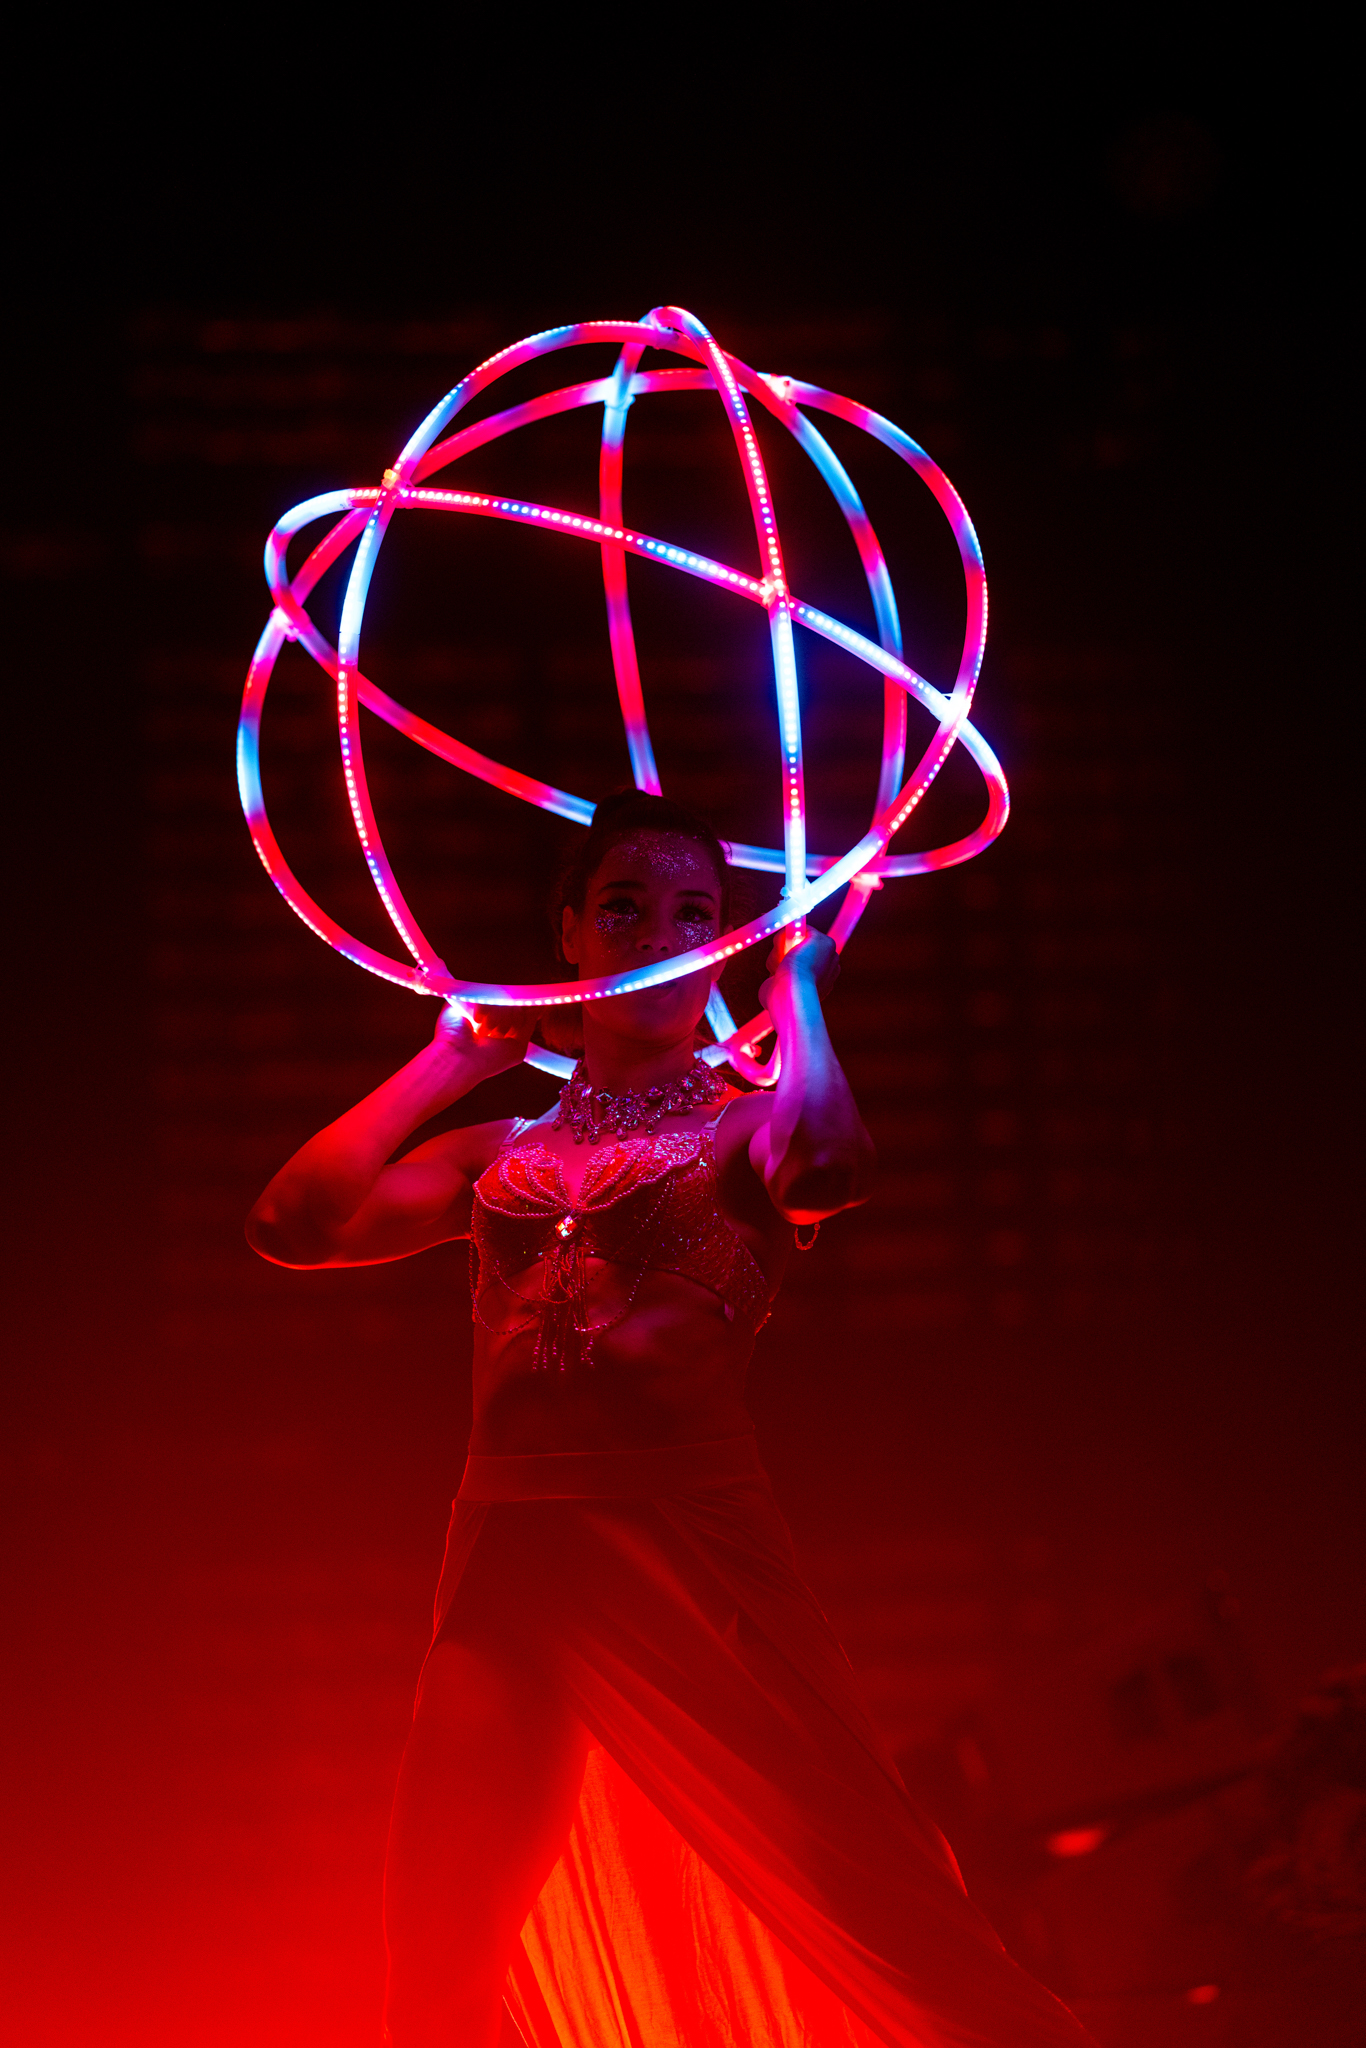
<point x="641" y="1800"/>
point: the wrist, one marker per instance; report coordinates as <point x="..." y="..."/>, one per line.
<point x="456" y="1065"/>
<point x="792" y="992"/>
<point x="443" y="1073"/>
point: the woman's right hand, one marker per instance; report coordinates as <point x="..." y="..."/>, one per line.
<point x="487" y="1038"/>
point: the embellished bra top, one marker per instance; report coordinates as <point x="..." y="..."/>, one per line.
<point x="646" y="1203"/>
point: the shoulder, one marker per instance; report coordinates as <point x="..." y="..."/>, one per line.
<point x="734" y="1134"/>
<point x="743" y="1198"/>
<point x="741" y="1117"/>
<point x="472" y="1149"/>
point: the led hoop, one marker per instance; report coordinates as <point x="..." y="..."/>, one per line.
<point x="364" y="517"/>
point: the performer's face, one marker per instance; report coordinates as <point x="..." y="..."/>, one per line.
<point x="655" y="895"/>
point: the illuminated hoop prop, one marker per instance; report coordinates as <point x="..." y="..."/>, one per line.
<point x="809" y="878"/>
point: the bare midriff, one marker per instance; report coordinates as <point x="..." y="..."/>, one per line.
<point x="671" y="1371"/>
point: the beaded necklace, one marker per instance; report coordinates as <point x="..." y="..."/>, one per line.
<point x="591" y="1113"/>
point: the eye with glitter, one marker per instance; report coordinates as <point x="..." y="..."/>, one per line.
<point x="616" y="914"/>
<point x="698" y="924"/>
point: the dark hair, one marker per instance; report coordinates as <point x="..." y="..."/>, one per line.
<point x="620" y="816"/>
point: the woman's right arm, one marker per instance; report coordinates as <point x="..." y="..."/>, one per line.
<point x="339" y="1202"/>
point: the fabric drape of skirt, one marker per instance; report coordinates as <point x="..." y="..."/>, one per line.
<point x="745" y="1868"/>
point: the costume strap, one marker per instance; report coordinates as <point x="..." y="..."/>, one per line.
<point x="711" y="1126"/>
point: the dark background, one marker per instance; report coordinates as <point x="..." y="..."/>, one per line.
<point x="1075" y="1389"/>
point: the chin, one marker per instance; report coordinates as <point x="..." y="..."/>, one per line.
<point x="655" y="1016"/>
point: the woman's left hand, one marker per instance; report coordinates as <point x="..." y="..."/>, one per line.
<point x="815" y="960"/>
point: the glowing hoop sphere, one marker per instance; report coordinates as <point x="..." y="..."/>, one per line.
<point x="362" y="516"/>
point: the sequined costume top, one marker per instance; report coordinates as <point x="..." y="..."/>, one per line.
<point x="646" y="1203"/>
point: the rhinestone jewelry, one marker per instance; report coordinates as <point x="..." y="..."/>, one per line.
<point x="592" y="1114"/>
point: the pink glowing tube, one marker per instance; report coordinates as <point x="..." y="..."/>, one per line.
<point x="361" y="519"/>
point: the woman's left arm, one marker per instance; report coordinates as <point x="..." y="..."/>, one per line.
<point x="811" y="1151"/>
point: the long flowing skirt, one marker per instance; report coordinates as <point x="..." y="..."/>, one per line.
<point x="745" y="1868"/>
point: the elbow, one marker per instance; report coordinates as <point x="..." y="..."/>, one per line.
<point x="264" y="1235"/>
<point x="271" y="1237"/>
<point x="812" y="1189"/>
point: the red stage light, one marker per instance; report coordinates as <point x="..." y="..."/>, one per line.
<point x="1077" y="1841"/>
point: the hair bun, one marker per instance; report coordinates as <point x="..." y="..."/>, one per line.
<point x="624" y="799"/>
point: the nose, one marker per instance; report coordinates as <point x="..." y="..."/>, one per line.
<point x="656" y="939"/>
